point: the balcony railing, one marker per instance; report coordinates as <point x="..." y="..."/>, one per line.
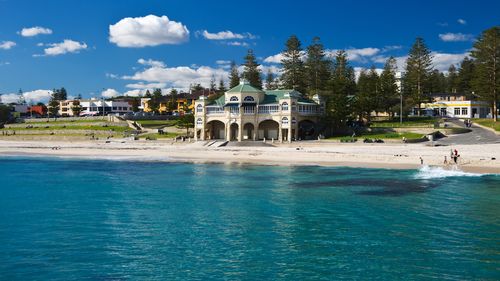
<point x="268" y="109"/>
<point x="213" y="110"/>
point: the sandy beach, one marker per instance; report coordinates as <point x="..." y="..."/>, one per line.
<point x="473" y="158"/>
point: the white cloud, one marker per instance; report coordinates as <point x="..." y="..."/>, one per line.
<point x="462" y="21"/>
<point x="442" y="61"/>
<point x="358" y="55"/>
<point x="148" y="86"/>
<point x="237" y="43"/>
<point x="176" y="77"/>
<point x="34" y="31"/>
<point x="67" y="46"/>
<point x="226" y="35"/>
<point x="110" y="93"/>
<point x="145" y="31"/>
<point x="30" y="97"/>
<point x="6" y="45"/>
<point x="274" y="59"/>
<point x="391" y="48"/>
<point x="4" y="63"/>
<point x="455" y="37"/>
<point x="151" y="62"/>
<point x="221" y="62"/>
<point x="135" y="93"/>
<point x="112" y="76"/>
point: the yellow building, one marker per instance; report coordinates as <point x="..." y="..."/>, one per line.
<point x="184" y="102"/>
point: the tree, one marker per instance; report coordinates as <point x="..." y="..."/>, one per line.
<point x="172" y="100"/>
<point x="76" y="108"/>
<point x="436" y="82"/>
<point x="213" y="86"/>
<point x="367" y="97"/>
<point x="418" y="69"/>
<point x="452" y="80"/>
<point x="135" y="104"/>
<point x="234" y="76"/>
<point x="388" y="97"/>
<point x="148" y="94"/>
<point x="4" y="113"/>
<point x="60" y="94"/>
<point x="186" y="121"/>
<point x="251" y="71"/>
<point x="342" y="87"/>
<point x="293" y="74"/>
<point x="154" y="102"/>
<point x="53" y="108"/>
<point x="317" y="68"/>
<point x="465" y="77"/>
<point x="270" y="81"/>
<point x="486" y="81"/>
<point x="222" y="86"/>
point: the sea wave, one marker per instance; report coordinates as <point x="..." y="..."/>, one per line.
<point x="429" y="172"/>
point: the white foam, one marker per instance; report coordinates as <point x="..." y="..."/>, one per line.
<point x="428" y="172"/>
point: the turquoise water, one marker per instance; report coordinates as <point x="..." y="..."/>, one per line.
<point x="131" y="220"/>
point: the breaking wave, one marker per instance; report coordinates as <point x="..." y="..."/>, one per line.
<point x="428" y="172"/>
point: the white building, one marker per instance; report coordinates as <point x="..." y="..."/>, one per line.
<point x="455" y="105"/>
<point x="247" y="113"/>
<point x="94" y="107"/>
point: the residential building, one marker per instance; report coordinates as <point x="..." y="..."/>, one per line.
<point x="183" y="102"/>
<point x="454" y="105"/>
<point x="247" y="113"/>
<point x="93" y="107"/>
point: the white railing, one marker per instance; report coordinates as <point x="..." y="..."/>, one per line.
<point x="211" y="110"/>
<point x="249" y="110"/>
<point x="267" y="109"/>
<point x="308" y="109"/>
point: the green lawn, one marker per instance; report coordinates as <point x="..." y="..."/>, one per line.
<point x="423" y="122"/>
<point x="70" y="127"/>
<point x="158" y="136"/>
<point x="488" y="123"/>
<point x="157" y="124"/>
<point x="65" y="121"/>
<point x="378" y="135"/>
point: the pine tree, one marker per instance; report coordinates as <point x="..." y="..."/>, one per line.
<point x="452" y="80"/>
<point x="251" y="71"/>
<point x="154" y="102"/>
<point x="364" y="100"/>
<point x="148" y="94"/>
<point x="222" y="86"/>
<point x="342" y="87"/>
<point x="293" y="74"/>
<point x="270" y="80"/>
<point x="234" y="76"/>
<point x="418" y="69"/>
<point x="317" y="68"/>
<point x="212" y="84"/>
<point x="436" y="82"/>
<point x="388" y="98"/>
<point x="486" y="82"/>
<point x="465" y="77"/>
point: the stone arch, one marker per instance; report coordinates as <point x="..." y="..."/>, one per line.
<point x="269" y="129"/>
<point x="249" y="131"/>
<point x="233" y="131"/>
<point x="216" y="129"/>
<point x="307" y="129"/>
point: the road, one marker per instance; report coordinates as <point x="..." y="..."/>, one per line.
<point x="477" y="136"/>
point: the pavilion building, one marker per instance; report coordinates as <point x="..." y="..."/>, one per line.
<point x="246" y="113"/>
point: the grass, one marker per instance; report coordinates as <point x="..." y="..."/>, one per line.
<point x="378" y="135"/>
<point x="422" y="122"/>
<point x="71" y="127"/>
<point x="64" y="121"/>
<point x="157" y="124"/>
<point x="488" y="123"/>
<point x="154" y="136"/>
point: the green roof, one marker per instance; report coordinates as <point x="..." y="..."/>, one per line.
<point x="270" y="97"/>
<point x="244" y="88"/>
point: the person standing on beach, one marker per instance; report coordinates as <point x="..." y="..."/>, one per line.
<point x="421" y="161"/>
<point x="445" y="160"/>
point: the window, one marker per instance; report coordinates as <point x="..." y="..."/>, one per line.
<point x="464" y="110"/>
<point x="233" y="98"/>
<point x="248" y="98"/>
<point x="294" y="121"/>
<point x="456" y="111"/>
<point x="199" y="108"/>
<point x="284" y="121"/>
<point x="249" y="109"/>
<point x="199" y="121"/>
<point x="284" y="106"/>
<point x="114" y="108"/>
<point x="234" y="110"/>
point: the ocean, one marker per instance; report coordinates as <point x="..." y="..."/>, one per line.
<point x="75" y="219"/>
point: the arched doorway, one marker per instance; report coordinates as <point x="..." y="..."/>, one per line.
<point x="248" y="131"/>
<point x="268" y="129"/>
<point x="216" y="130"/>
<point x="233" y="129"/>
<point x="307" y="131"/>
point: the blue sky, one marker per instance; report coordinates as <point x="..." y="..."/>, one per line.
<point x="90" y="47"/>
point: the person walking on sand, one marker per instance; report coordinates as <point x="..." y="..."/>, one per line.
<point x="421" y="161"/>
<point x="455" y="156"/>
<point x="445" y="160"/>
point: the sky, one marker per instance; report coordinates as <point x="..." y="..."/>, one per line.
<point x="110" y="48"/>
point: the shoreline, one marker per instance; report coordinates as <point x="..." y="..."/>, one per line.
<point x="474" y="158"/>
